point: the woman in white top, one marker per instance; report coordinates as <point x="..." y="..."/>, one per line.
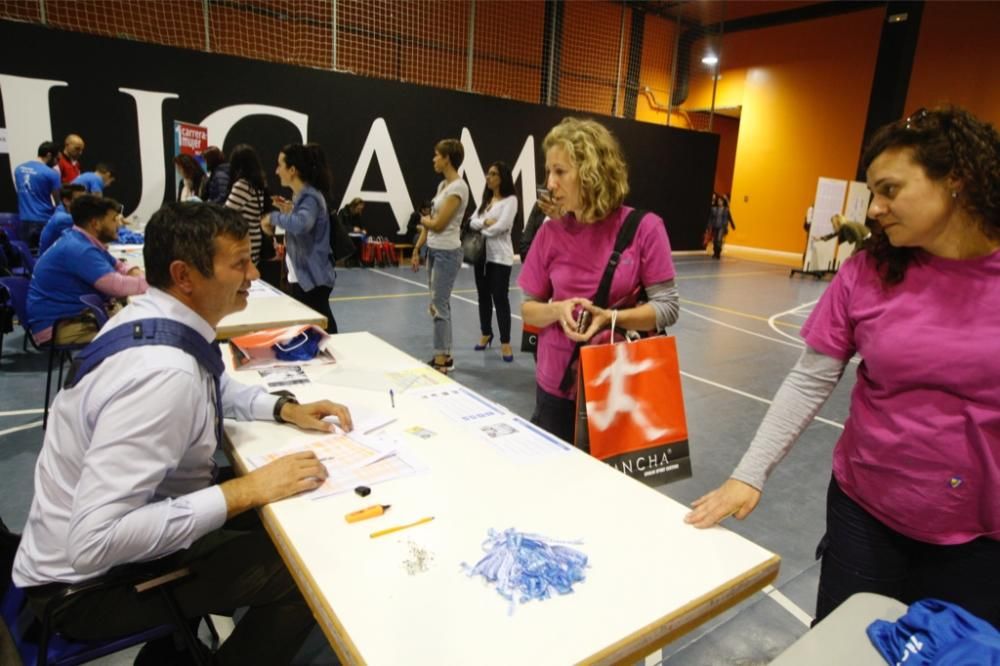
<point x="494" y="220"/>
<point x="441" y="230"/>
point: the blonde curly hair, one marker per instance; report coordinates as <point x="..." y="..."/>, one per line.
<point x="601" y="168"/>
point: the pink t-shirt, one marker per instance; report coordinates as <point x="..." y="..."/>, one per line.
<point x="567" y="260"/>
<point x="921" y="448"/>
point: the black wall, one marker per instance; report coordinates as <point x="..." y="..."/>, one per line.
<point x="671" y="170"/>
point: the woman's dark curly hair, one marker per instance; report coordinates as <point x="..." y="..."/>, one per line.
<point x="946" y="141"/>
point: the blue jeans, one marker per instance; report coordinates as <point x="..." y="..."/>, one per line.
<point x="442" y="270"/>
<point x="860" y="554"/>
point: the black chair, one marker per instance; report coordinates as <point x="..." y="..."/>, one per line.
<point x="14" y="295"/>
<point x="27" y="259"/>
<point x="39" y="644"/>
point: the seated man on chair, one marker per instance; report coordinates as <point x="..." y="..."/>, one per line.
<point x="61" y="221"/>
<point x="126" y="473"/>
<point x="79" y="265"/>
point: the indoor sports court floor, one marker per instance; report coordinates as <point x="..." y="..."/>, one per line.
<point x="737" y="337"/>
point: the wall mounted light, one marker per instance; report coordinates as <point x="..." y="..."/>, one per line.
<point x="710" y="59"/>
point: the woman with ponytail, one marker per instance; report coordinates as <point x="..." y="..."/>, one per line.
<point x="306" y="222"/>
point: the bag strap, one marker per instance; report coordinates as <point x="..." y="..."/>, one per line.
<point x="153" y="331"/>
<point x="622" y="242"/>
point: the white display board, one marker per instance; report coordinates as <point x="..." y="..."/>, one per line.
<point x="858" y="197"/>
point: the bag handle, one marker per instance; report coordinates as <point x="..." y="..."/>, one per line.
<point x="622" y="242"/>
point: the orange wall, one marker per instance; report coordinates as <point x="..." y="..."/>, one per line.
<point x="804" y="96"/>
<point x="957" y="60"/>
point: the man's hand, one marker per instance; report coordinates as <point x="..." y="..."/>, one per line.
<point x="415" y="260"/>
<point x="289" y="475"/>
<point x="310" y="415"/>
<point x="732" y="498"/>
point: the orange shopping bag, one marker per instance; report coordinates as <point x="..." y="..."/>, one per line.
<point x="631" y="410"/>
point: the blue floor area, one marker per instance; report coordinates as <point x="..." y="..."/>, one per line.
<point x="737" y="337"/>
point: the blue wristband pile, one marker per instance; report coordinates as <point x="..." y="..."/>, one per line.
<point x="528" y="564"/>
<point x="129" y="237"/>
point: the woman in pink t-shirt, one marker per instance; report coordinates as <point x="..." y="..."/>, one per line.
<point x="588" y="181"/>
<point x="913" y="508"/>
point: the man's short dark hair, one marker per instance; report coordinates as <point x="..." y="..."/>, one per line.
<point x="89" y="207"/>
<point x="67" y="191"/>
<point x="48" y="148"/>
<point x="106" y="168"/>
<point x="186" y="231"/>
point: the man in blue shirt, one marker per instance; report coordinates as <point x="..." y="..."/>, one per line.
<point x="36" y="183"/>
<point x="79" y="265"/>
<point x="61" y="220"/>
<point x="95" y="181"/>
<point x="126" y="477"/>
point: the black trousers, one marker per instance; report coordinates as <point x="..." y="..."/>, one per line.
<point x="492" y="283"/>
<point x="318" y="298"/>
<point x="233" y="567"/>
<point x="554" y="414"/>
<point x="861" y="554"/>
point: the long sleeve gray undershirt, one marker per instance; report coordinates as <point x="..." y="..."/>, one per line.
<point x="663" y="297"/>
<point x="797" y="401"/>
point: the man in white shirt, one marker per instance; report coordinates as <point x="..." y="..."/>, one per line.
<point x="126" y="472"/>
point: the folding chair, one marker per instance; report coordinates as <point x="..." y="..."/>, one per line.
<point x="39" y="644"/>
<point x="14" y="294"/>
<point x="27" y="259"/>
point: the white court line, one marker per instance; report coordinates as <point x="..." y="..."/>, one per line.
<point x="752" y="396"/>
<point x="795" y="310"/>
<point x="789" y="605"/>
<point x="798" y="345"/>
<point x="19" y="412"/>
<point x="686" y="374"/>
<point x="26" y="426"/>
<point x="423" y="285"/>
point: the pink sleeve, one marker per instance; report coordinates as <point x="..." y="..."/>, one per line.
<point x="829" y="329"/>
<point x="656" y="264"/>
<point x="534" y="279"/>
<point x="119" y="286"/>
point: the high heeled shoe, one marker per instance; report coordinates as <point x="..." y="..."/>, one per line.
<point x="506" y="353"/>
<point x="483" y="345"/>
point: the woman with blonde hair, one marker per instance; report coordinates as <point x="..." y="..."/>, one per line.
<point x="587" y="179"/>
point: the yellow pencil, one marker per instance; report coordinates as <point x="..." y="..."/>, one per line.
<point x="390" y="530"/>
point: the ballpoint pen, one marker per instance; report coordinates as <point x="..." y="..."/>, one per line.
<point x="390" y="530"/>
<point x="366" y="513"/>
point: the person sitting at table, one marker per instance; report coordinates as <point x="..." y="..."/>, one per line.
<point x="350" y="215"/>
<point x="79" y="265"/>
<point x="126" y="475"/>
<point x="913" y="506"/>
<point x="303" y="169"/>
<point x="61" y="220"/>
<point x="95" y="181"/>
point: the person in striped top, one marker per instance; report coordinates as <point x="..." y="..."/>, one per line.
<point x="249" y="192"/>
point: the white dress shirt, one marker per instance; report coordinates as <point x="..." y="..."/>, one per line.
<point x="125" y="471"/>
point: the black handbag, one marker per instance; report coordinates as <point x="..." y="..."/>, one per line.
<point x="473" y="246"/>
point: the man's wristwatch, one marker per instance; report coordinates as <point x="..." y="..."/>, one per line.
<point x="280" y="404"/>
